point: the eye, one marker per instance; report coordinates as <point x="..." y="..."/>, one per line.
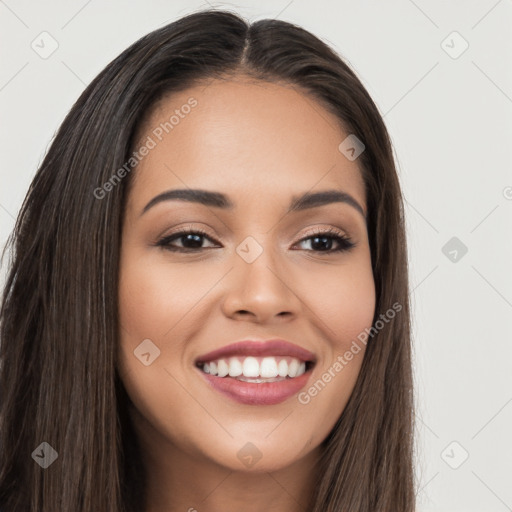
<point x="321" y="240"/>
<point x="191" y="240"/>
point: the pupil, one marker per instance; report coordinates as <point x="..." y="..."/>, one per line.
<point x="315" y="239"/>
<point x="196" y="239"/>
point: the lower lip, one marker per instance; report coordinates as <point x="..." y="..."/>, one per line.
<point x="264" y="393"/>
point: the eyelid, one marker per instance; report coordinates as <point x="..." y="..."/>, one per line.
<point x="186" y="228"/>
<point x="317" y="230"/>
<point x="344" y="238"/>
<point x="331" y="230"/>
<point x="344" y="241"/>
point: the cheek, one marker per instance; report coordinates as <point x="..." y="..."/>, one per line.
<point x="148" y="309"/>
<point x="346" y="304"/>
<point x="154" y="298"/>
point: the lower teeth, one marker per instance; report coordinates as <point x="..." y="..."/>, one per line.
<point x="259" y="380"/>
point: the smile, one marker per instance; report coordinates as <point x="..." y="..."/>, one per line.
<point x="256" y="369"/>
<point x="257" y="373"/>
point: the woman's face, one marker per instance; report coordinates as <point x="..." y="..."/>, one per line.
<point x="255" y="271"/>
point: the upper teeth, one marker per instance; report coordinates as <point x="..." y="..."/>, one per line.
<point x="265" y="367"/>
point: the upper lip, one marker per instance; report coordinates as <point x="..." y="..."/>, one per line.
<point x="274" y="347"/>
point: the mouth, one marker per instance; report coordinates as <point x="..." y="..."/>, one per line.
<point x="257" y="369"/>
<point x="256" y="372"/>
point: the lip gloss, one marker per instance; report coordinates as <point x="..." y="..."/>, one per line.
<point x="251" y="393"/>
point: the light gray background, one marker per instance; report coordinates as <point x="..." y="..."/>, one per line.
<point x="451" y="124"/>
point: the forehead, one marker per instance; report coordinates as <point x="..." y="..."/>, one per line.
<point x="247" y="138"/>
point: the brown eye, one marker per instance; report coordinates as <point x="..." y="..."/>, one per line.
<point x="192" y="241"/>
<point x="322" y="241"/>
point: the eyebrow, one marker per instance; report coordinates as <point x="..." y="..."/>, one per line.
<point x="219" y="200"/>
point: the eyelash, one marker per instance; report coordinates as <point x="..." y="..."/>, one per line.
<point x="344" y="242"/>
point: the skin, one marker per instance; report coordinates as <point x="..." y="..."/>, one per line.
<point x="260" y="144"/>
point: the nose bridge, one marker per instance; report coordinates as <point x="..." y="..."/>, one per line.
<point x="258" y="285"/>
<point x="256" y="261"/>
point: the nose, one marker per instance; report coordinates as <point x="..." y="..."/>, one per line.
<point x="260" y="291"/>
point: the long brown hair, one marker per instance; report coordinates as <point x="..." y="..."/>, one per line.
<point x="59" y="313"/>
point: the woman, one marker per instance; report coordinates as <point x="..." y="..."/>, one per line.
<point x="207" y="306"/>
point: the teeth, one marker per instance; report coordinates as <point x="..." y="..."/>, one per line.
<point x="235" y="367"/>
<point x="268" y="369"/>
<point x="260" y="380"/>
<point x="251" y="367"/>
<point x="222" y="368"/>
<point x="282" y="368"/>
<point x="293" y="368"/>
